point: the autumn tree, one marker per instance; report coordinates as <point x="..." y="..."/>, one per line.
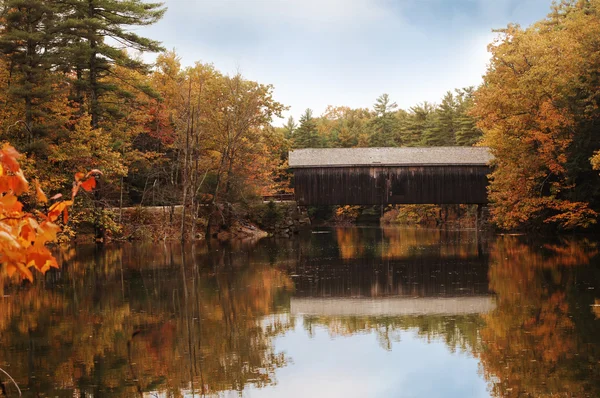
<point x="538" y="108"/>
<point x="244" y="126"/>
<point x="23" y="236"/>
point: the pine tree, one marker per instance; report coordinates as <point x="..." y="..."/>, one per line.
<point x="384" y="124"/>
<point x="28" y="46"/>
<point x="417" y="123"/>
<point x="87" y="25"/>
<point x="467" y="133"/>
<point x="289" y="128"/>
<point x="307" y="135"/>
<point x="443" y="123"/>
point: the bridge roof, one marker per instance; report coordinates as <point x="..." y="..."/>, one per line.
<point x="429" y="156"/>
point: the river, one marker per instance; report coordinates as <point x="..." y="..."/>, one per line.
<point x="340" y="312"/>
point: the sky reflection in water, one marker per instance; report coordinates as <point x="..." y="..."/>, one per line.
<point x="354" y="312"/>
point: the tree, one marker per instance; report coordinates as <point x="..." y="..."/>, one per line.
<point x="416" y="123"/>
<point x="28" y="45"/>
<point x="384" y="124"/>
<point x="443" y="124"/>
<point x="289" y="128"/>
<point x="538" y="108"/>
<point x="92" y="57"/>
<point x="307" y="135"/>
<point x="467" y="133"/>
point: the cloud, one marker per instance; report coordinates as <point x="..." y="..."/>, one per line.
<point x="344" y="52"/>
<point x="319" y="13"/>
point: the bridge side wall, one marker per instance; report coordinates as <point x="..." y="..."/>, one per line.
<point x="363" y="185"/>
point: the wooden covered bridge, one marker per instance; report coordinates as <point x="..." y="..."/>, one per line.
<point x="380" y="176"/>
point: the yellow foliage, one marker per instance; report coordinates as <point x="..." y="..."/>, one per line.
<point x="535" y="98"/>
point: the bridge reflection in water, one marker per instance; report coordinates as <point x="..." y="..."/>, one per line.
<point x="391" y="306"/>
<point x="450" y="311"/>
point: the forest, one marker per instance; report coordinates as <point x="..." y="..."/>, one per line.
<point x="76" y="95"/>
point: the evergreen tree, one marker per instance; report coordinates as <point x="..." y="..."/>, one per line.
<point x="442" y="128"/>
<point x="419" y="120"/>
<point x="467" y="133"/>
<point x="384" y="125"/>
<point x="87" y="25"/>
<point x="28" y="46"/>
<point x="289" y="128"/>
<point x="307" y="135"/>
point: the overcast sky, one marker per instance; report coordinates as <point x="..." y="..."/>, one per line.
<point x="343" y="52"/>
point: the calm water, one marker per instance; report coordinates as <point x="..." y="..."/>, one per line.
<point x="349" y="312"/>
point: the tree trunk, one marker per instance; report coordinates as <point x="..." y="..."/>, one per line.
<point x="94" y="109"/>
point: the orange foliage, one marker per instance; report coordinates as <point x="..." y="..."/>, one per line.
<point x="23" y="237"/>
<point x="531" y="342"/>
<point x="531" y="121"/>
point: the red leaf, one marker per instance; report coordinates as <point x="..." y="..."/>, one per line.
<point x="89" y="184"/>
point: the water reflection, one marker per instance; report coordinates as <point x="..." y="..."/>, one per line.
<point x="133" y="319"/>
<point x="543" y="339"/>
<point x="457" y="314"/>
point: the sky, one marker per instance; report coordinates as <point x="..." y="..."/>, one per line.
<point x="343" y="52"/>
<point x="357" y="366"/>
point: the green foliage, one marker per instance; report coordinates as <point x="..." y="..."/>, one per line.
<point x="448" y="124"/>
<point x="419" y="120"/>
<point x="384" y="125"/>
<point x="87" y="53"/>
<point x="320" y="213"/>
<point x="307" y="135"/>
<point x="269" y="215"/>
<point x="289" y="128"/>
<point x="466" y="131"/>
<point x="442" y="128"/>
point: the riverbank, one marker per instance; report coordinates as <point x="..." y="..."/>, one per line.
<point x="164" y="223"/>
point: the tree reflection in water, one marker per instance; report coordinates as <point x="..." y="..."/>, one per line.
<point x="128" y="320"/>
<point x="543" y="339"/>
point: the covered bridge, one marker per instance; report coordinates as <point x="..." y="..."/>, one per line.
<point x="380" y="176"/>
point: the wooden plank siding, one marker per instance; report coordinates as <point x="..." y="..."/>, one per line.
<point x="381" y="185"/>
